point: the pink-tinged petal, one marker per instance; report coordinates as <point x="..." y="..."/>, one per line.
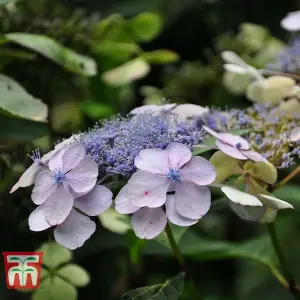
<point x="234" y="140"/>
<point x="58" y="206"/>
<point x="98" y="200"/>
<point x="211" y="132"/>
<point x="153" y="160"/>
<point x="230" y="151"/>
<point x="199" y="170"/>
<point x="292" y="21"/>
<point x="44" y="187"/>
<point x="179" y="154"/>
<point x="255" y="156"/>
<point x="147" y="189"/>
<point x="192" y="201"/>
<point x="83" y="177"/>
<point x="174" y="216"/>
<point x="37" y="221"/>
<point x="122" y="202"/>
<point x="74" y="231"/>
<point x="72" y="157"/>
<point x="148" y="223"/>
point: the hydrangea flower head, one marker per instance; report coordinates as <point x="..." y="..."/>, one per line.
<point x="234" y="146"/>
<point x="159" y="172"/>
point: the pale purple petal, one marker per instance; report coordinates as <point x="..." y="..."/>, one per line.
<point x="122" y="202"/>
<point x="153" y="160"/>
<point x="148" y="223"/>
<point x="295" y="134"/>
<point x="74" y="231"/>
<point x="58" y="206"/>
<point x="67" y="142"/>
<point x="44" y="187"/>
<point x="83" y="177"/>
<point x="98" y="200"/>
<point x="179" y="154"/>
<point x="199" y="170"/>
<point x="174" y="216"/>
<point x="147" y="189"/>
<point x="37" y="221"/>
<point x="73" y="155"/>
<point x="55" y="162"/>
<point x="255" y="156"/>
<point x="191" y="200"/>
<point x="292" y="21"/>
<point x="230" y="151"/>
<point x="234" y="140"/>
<point x="211" y="132"/>
<point x="151" y="108"/>
<point x="189" y="110"/>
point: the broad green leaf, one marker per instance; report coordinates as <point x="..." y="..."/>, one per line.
<point x="74" y="274"/>
<point x="273" y="89"/>
<point x="170" y="290"/>
<point x="55" y="288"/>
<point x="114" y="221"/>
<point x="146" y="26"/>
<point x="135" y="246"/>
<point x="20" y="130"/>
<point x="3" y="2"/>
<point x="219" y="204"/>
<point x="96" y="110"/>
<point x="55" y="255"/>
<point x="44" y="273"/>
<point x="17" y="102"/>
<point x="263" y="171"/>
<point x="51" y="49"/>
<point x="177" y="231"/>
<point x="162" y="56"/>
<point x="127" y="73"/>
<point x="225" y="166"/>
<point x="248" y="213"/>
<point x="199" y="149"/>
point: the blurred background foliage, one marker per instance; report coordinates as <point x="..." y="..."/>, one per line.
<point x="66" y="64"/>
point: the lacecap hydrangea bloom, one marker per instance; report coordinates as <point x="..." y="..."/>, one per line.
<point x="66" y="193"/>
<point x="159" y="172"/>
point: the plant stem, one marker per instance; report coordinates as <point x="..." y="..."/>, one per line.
<point x="288" y="178"/>
<point x="289" y="282"/>
<point x="175" y="248"/>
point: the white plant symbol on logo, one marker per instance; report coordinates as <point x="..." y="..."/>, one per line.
<point x="22" y="269"/>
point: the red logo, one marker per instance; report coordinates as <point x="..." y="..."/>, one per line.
<point x="23" y="269"/>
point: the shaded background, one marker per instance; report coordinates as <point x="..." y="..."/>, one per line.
<point x="197" y="31"/>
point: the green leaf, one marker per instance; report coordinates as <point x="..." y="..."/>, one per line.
<point x="15" y="258"/>
<point x="146" y="26"/>
<point x="177" y="231"/>
<point x="114" y="221"/>
<point x="55" y="255"/>
<point x="67" y="58"/>
<point x="29" y="270"/>
<point x="3" y="2"/>
<point x="162" y="56"/>
<point x="130" y="71"/>
<point x="264" y="171"/>
<point x="21" y="131"/>
<point x="290" y="193"/>
<point x="135" y="246"/>
<point x="16" y="101"/>
<point x="74" y="274"/>
<point x="55" y="288"/>
<point x="225" y="166"/>
<point x="16" y="270"/>
<point x="44" y="273"/>
<point x="170" y="290"/>
<point x="96" y="110"/>
<point x="199" y="149"/>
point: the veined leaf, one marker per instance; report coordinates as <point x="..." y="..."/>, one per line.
<point x="170" y="290"/>
<point x="53" y="50"/>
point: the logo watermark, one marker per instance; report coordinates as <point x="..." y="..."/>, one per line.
<point x="23" y="269"/>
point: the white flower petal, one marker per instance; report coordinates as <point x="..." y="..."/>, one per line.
<point x="211" y="132"/>
<point x="292" y="21"/>
<point x="274" y="202"/>
<point x="236" y="69"/>
<point x="199" y="170"/>
<point x="174" y="216"/>
<point x="122" y="202"/>
<point x="153" y="160"/>
<point x="148" y="223"/>
<point x="230" y="150"/>
<point x="58" y="206"/>
<point x="98" y="200"/>
<point x="37" y="221"/>
<point x="189" y="110"/>
<point x="255" y="156"/>
<point x="83" y="177"/>
<point x="234" y="140"/>
<point x="74" y="231"/>
<point x="295" y="134"/>
<point x="248" y="213"/>
<point x="179" y="154"/>
<point x="44" y="187"/>
<point x="147" y="189"/>
<point x="240" y="197"/>
<point x="232" y="58"/>
<point x="151" y="108"/>
<point x="67" y="142"/>
<point x="191" y="200"/>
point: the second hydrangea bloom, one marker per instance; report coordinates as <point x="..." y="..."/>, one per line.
<point x="159" y="172"/>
